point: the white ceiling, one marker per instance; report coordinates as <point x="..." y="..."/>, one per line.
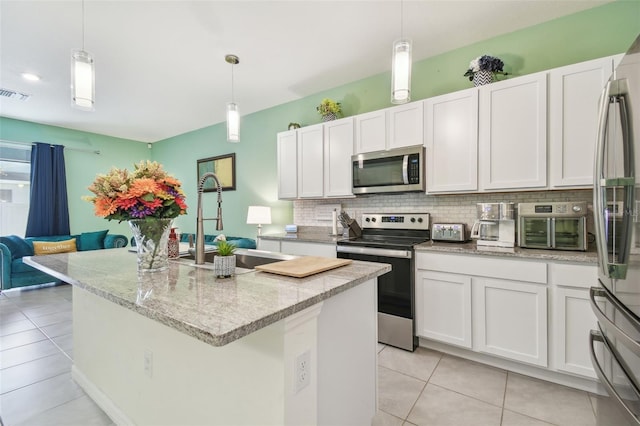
<point x="160" y="68"/>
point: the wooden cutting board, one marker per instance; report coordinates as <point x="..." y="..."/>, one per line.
<point x="303" y="266"/>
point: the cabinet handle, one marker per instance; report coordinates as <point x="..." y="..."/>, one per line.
<point x="597" y="336"/>
<point x="628" y="341"/>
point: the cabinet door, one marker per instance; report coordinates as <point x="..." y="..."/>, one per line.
<point x="371" y="132"/>
<point x="574" y="92"/>
<point x="513" y="133"/>
<point x="310" y="162"/>
<point x="338" y="148"/>
<point x="406" y="125"/>
<point x="511" y="320"/>
<point x="574" y="319"/>
<point x="287" y="165"/>
<point x="451" y="141"/>
<point x="443" y="307"/>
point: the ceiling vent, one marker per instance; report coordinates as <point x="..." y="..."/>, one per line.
<point x="12" y="94"/>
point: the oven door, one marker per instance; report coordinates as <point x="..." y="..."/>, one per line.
<point x="395" y="293"/>
<point x="569" y="233"/>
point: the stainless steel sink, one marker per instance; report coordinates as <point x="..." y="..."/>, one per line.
<point x="246" y="259"/>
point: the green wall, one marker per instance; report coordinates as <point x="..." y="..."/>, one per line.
<point x="597" y="32"/>
<point x="601" y="31"/>
<point x="81" y="166"/>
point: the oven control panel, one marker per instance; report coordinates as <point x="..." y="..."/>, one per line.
<point x="395" y="221"/>
<point x="561" y="209"/>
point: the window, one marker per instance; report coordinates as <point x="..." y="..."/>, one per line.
<point x="15" y="169"/>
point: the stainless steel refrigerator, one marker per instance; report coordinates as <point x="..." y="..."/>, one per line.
<point x="615" y="345"/>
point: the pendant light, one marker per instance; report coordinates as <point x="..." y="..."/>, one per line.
<point x="401" y="66"/>
<point x="82" y="76"/>
<point x="233" y="115"/>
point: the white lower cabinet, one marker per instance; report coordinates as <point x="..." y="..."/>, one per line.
<point x="512" y="319"/>
<point x="533" y="312"/>
<point x="574" y="319"/>
<point x="443" y="307"/>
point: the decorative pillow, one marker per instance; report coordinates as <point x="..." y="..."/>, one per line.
<point x="92" y="240"/>
<point x="51" y="247"/>
<point x="17" y="245"/>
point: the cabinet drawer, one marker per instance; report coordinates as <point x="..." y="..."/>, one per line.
<point x="484" y="266"/>
<point x="566" y="274"/>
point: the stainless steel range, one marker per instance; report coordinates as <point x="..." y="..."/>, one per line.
<point x="390" y="238"/>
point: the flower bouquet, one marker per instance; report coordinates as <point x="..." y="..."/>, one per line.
<point x="149" y="199"/>
<point x="483" y="68"/>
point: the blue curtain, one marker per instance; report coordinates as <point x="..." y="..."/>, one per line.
<point x="48" y="206"/>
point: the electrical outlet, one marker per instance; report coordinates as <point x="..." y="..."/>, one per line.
<point x="148" y="363"/>
<point x="302" y="371"/>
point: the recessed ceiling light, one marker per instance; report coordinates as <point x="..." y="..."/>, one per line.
<point x="31" y="77"/>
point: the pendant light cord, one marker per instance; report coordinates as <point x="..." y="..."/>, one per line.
<point x="401" y="19"/>
<point x="233" y="99"/>
<point x="83" y="25"/>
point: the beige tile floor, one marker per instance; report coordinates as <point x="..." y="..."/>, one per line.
<point x="420" y="388"/>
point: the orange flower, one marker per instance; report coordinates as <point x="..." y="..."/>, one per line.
<point x="143" y="186"/>
<point x="103" y="207"/>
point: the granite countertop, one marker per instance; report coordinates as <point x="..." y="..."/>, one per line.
<point x="191" y="300"/>
<point x="590" y="256"/>
<point x="320" y="235"/>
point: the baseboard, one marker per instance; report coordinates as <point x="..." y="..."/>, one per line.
<point x="102" y="400"/>
<point x="584" y="384"/>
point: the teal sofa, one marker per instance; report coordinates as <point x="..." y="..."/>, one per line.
<point x="15" y="273"/>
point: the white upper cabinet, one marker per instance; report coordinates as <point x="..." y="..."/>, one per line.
<point x="287" y="164"/>
<point x="406" y="125"/>
<point x="574" y="92"/>
<point x="513" y="133"/>
<point x="338" y="148"/>
<point x="451" y="142"/>
<point x="371" y="132"/>
<point x="390" y="128"/>
<point x="310" y="161"/>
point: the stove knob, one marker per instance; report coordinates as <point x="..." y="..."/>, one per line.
<point x="419" y="220"/>
<point x="576" y="209"/>
<point x="413" y="219"/>
<point x="373" y="219"/>
<point x="367" y="220"/>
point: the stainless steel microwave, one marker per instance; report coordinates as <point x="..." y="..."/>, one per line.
<point x="396" y="170"/>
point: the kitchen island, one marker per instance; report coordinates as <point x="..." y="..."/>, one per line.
<point x="182" y="347"/>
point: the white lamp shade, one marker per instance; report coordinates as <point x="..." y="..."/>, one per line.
<point x="258" y="215"/>
<point x="401" y="72"/>
<point x="233" y="123"/>
<point x="82" y="80"/>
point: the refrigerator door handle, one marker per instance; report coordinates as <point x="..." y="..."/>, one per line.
<point x="615" y="92"/>
<point x="596" y="336"/>
<point x="622" y="337"/>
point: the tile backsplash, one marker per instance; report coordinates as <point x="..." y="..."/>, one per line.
<point x="442" y="208"/>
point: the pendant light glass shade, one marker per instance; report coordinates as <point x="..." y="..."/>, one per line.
<point x="82" y="80"/>
<point x="401" y="72"/>
<point x="233" y="123"/>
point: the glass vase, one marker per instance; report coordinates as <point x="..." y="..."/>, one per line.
<point x="152" y="238"/>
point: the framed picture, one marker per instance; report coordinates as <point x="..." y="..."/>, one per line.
<point x="224" y="166"/>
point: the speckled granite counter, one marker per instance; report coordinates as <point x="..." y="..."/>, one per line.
<point x="189" y="299"/>
<point x="517" y="252"/>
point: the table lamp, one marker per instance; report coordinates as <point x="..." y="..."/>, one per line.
<point x="258" y="215"/>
